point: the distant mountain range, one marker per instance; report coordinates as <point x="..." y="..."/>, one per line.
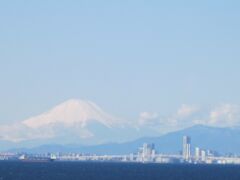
<point x="72" y="121"/>
<point x="81" y="124"/>
<point x="223" y="140"/>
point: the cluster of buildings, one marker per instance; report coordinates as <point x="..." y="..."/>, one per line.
<point x="199" y="156"/>
<point x="146" y="154"/>
<point x="188" y="154"/>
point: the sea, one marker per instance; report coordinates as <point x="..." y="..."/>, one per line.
<point x="10" y="170"/>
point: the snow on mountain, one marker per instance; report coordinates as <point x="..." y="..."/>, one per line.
<point x="73" y="112"/>
<point x="70" y="121"/>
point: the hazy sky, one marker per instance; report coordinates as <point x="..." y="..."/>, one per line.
<point x="126" y="56"/>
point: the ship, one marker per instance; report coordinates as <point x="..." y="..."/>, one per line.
<point x="26" y="158"/>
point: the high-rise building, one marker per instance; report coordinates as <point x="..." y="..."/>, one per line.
<point x="186" y="147"/>
<point x="203" y="155"/>
<point x="197" y="153"/>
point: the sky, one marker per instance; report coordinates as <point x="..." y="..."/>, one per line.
<point x="129" y="57"/>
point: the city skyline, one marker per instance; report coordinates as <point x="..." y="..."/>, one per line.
<point x="147" y="153"/>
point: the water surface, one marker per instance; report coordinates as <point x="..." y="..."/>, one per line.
<point x="115" y="171"/>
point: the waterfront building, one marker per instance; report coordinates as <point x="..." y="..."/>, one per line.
<point x="197" y="153"/>
<point x="146" y="153"/>
<point x="203" y="155"/>
<point x="186" y="148"/>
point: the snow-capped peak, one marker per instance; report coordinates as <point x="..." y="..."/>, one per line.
<point x="70" y="113"/>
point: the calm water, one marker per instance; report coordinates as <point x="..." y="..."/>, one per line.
<point x="114" y="171"/>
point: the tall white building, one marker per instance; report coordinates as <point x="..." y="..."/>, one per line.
<point x="186" y="148"/>
<point x="197" y="153"/>
<point x="203" y="155"/>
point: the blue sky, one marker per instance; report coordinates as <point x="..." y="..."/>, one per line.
<point x="127" y="56"/>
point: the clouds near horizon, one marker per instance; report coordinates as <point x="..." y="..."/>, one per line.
<point x="223" y="115"/>
<point x="75" y="117"/>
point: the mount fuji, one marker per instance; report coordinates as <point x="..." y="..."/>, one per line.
<point x="73" y="121"/>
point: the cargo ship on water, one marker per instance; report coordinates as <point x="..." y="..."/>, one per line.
<point x="26" y="158"/>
